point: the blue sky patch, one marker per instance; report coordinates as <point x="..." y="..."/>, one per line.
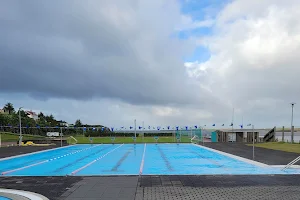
<point x="200" y="54"/>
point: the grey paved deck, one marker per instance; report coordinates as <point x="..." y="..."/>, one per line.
<point x="267" y="156"/>
<point x="218" y="187"/>
<point x="92" y="188"/>
<point x="251" y="187"/>
<point x="285" y="187"/>
<point x="51" y="187"/>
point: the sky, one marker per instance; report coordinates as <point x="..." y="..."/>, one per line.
<point x="161" y="62"/>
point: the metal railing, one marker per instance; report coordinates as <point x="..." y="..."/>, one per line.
<point x="291" y="163"/>
<point x="74" y="139"/>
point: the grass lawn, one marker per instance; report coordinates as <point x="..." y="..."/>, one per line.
<point x="12" y="137"/>
<point x="98" y="140"/>
<point x="288" y="147"/>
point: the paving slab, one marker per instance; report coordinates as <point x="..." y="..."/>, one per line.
<point x="248" y="187"/>
<point x="113" y="187"/>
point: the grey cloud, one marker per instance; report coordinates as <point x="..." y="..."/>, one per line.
<point x="79" y="50"/>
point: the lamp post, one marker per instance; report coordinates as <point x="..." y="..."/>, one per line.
<point x="20" y="124"/>
<point x="253" y="141"/>
<point x="202" y="134"/>
<point x="292" y="129"/>
<point x="135" y="128"/>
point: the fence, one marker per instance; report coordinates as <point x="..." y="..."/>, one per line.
<point x="284" y="134"/>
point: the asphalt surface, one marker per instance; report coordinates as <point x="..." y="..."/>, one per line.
<point x="267" y="156"/>
<point x="50" y="187"/>
<point x="17" y="150"/>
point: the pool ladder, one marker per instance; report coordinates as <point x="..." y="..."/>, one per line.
<point x="291" y="163"/>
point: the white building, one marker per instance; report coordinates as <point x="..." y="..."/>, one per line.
<point x="32" y="115"/>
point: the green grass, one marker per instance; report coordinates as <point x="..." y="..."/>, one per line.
<point x="288" y="147"/>
<point x="99" y="140"/>
<point x="12" y="137"/>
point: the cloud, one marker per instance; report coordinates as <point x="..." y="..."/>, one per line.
<point x="84" y="50"/>
<point x="112" y="63"/>
<point x="254" y="63"/>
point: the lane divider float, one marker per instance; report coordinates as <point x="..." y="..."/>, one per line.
<point x="45" y="161"/>
<point x="85" y="166"/>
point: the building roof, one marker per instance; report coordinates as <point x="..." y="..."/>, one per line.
<point x="30" y="112"/>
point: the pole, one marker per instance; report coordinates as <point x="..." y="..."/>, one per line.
<point x="292" y="129"/>
<point x="20" y="124"/>
<point x="180" y="133"/>
<point x="174" y="135"/>
<point x="135" y="128"/>
<point x="253" y="142"/>
<point x="282" y="134"/>
<point x="143" y="131"/>
<point x="231" y="123"/>
<point x="61" y="136"/>
<point x="202" y="135"/>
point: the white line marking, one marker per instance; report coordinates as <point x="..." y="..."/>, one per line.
<point x="44" y="161"/>
<point x="234" y="156"/>
<point x="85" y="166"/>
<point x="143" y="160"/>
<point x="291" y="167"/>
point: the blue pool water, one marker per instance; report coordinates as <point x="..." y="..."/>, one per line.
<point x="4" y="198"/>
<point x="130" y="159"/>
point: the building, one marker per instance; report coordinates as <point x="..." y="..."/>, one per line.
<point x="32" y="115"/>
<point x="63" y="123"/>
<point x="242" y="135"/>
<point x="3" y="111"/>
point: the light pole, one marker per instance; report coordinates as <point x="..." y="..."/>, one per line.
<point x="253" y="140"/>
<point x="292" y="129"/>
<point x="20" y="124"/>
<point x="202" y="134"/>
<point x="135" y="128"/>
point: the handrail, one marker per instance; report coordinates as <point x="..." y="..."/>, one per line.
<point x="74" y="139"/>
<point x="292" y="163"/>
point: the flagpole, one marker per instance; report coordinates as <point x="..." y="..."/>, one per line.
<point x="232" y="120"/>
<point x="242" y="122"/>
<point x="135" y="128"/>
<point x="253" y="142"/>
<point x="143" y="131"/>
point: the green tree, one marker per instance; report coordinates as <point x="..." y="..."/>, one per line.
<point x="41" y="115"/>
<point x="78" y="123"/>
<point x="9" y="107"/>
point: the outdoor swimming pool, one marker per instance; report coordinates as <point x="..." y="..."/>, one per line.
<point x="130" y="159"/>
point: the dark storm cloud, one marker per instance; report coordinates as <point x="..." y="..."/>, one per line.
<point x="78" y="50"/>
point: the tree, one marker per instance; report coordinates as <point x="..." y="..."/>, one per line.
<point x="78" y="123"/>
<point x="9" y="107"/>
<point x="41" y="115"/>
